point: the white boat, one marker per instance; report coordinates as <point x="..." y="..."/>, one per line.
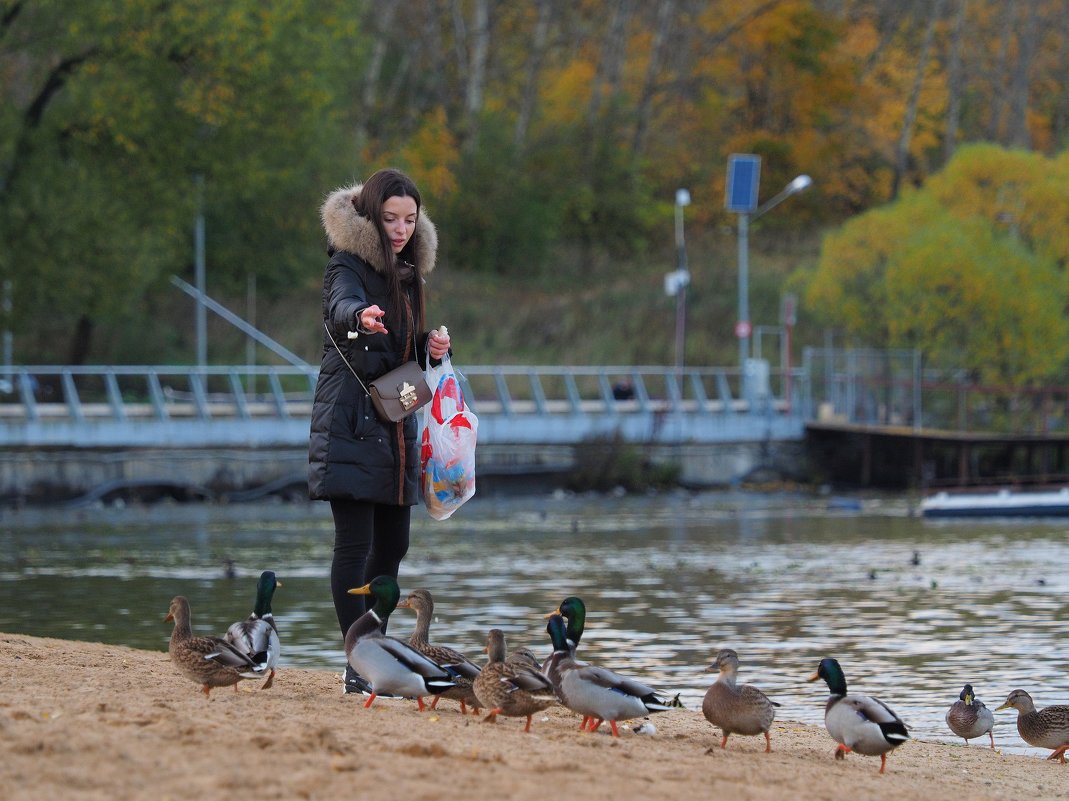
<point x="1001" y="503"/>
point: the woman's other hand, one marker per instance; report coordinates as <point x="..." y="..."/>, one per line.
<point x="438" y="344"/>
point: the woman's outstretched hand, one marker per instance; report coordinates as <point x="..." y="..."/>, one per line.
<point x="371" y="320"/>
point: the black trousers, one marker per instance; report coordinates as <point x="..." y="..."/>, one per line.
<point x="370" y="539"/>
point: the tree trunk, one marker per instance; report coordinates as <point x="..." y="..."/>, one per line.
<point x="954" y="84"/>
<point x="480" y="49"/>
<point x="1001" y="69"/>
<point x="534" y="69"/>
<point x="369" y="95"/>
<point x="610" y="65"/>
<point x="1017" y="133"/>
<point x="80" y="342"/>
<point x="902" y="149"/>
<point x="666" y="10"/>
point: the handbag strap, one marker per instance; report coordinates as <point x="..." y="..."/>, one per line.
<point x="351" y="370"/>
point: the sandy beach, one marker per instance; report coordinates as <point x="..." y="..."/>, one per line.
<point x="91" y="721"/>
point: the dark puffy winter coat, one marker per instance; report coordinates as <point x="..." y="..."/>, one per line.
<point x="352" y="453"/>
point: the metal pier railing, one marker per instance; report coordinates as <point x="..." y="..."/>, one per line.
<point x="188" y="406"/>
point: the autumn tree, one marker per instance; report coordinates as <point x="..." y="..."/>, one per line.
<point x="958" y="270"/>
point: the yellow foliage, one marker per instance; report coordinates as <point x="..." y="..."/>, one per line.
<point x="429" y="156"/>
<point x="969" y="269"/>
<point x="567" y="93"/>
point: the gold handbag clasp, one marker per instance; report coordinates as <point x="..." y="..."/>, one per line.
<point x="406" y="393"/>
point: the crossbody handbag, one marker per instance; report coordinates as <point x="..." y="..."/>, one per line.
<point x="396" y="394"/>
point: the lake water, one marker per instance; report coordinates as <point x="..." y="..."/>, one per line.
<point x="667" y="580"/>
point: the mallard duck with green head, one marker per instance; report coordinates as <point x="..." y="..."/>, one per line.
<point x="858" y="723"/>
<point x="390" y="666"/>
<point x="257" y="635"/>
<point x="209" y="661"/>
<point x="1043" y="728"/>
<point x="735" y="708"/>
<point x="422" y="603"/>
<point x="969" y="718"/>
<point x="512" y="689"/>
<point x="594" y="692"/>
<point x="573" y="610"/>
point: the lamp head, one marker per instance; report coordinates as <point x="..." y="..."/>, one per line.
<point x="800" y="184"/>
<point x="682" y="197"/>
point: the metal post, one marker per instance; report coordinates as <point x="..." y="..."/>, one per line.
<point x="742" y="329"/>
<point x="682" y="199"/>
<point x="9" y="348"/>
<point x="250" y="344"/>
<point x="198" y="248"/>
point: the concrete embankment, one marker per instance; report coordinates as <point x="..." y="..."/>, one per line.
<point x="84" y="475"/>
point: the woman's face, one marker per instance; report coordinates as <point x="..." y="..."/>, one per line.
<point x="399" y="219"/>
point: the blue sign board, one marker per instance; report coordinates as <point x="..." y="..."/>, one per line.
<point x="744" y="179"/>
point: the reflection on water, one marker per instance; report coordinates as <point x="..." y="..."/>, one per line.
<point x="912" y="609"/>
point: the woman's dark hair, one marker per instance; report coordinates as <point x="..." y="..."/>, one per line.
<point x="377" y="189"/>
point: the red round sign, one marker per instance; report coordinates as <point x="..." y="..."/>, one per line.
<point x="743" y="329"/>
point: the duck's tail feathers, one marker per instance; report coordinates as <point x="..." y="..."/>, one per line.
<point x="655" y="704"/>
<point x="238" y="661"/>
<point x="437" y="686"/>
<point x="894" y="732"/>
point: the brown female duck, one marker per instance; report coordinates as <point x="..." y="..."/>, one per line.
<point x="209" y="661"/>
<point x="509" y="688"/>
<point x="422" y="603"/>
<point x="737" y="709"/>
<point x="1044" y="728"/>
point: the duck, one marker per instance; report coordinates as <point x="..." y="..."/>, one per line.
<point x="573" y="610"/>
<point x="257" y="635"/>
<point x="209" y="661"/>
<point x="422" y="603"/>
<point x="858" y="723"/>
<point x="523" y="657"/>
<point x="969" y="718"/>
<point x="737" y="709"/>
<point x="1045" y="728"/>
<point x="508" y="688"/>
<point x="596" y="693"/>
<point x="390" y="666"/>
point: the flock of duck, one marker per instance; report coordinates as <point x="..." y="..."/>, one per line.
<point x="518" y="684"/>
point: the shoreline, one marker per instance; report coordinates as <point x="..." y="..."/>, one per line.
<point x="94" y="721"/>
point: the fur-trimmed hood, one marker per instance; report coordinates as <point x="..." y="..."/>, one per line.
<point x="347" y="230"/>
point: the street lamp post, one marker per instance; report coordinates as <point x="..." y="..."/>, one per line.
<point x="682" y="277"/>
<point x="744" y="328"/>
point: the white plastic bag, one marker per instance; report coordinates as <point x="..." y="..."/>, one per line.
<point x="447" y="451"/>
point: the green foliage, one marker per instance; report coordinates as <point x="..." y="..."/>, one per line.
<point x="605" y="464"/>
<point x="97" y="177"/>
<point x="503" y="221"/>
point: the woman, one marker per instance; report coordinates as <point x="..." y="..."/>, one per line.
<point x="380" y="246"/>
